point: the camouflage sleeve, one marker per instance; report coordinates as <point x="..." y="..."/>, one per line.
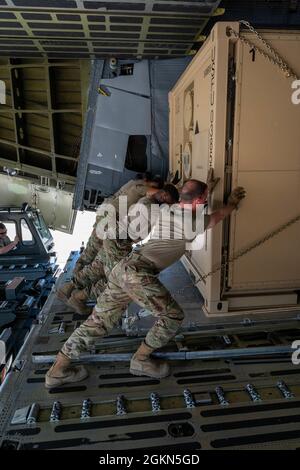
<point x="123" y="190"/>
<point x="141" y="189"/>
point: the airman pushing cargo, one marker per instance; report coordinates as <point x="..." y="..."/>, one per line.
<point x="89" y="268"/>
<point x="135" y="278"/>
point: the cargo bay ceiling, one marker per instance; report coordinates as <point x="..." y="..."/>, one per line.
<point x="43" y="44"/>
<point x="42" y="118"/>
<point x="91" y="28"/>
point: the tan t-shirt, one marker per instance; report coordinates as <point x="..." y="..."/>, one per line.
<point x="174" y="229"/>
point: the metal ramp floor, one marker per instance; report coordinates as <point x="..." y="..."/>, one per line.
<point x="219" y="403"/>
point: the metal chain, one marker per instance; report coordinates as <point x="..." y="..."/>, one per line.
<point x="251" y="247"/>
<point x="273" y="55"/>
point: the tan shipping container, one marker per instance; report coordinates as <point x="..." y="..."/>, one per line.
<point x="232" y="110"/>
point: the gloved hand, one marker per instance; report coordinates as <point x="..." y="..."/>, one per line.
<point x="236" y="196"/>
<point x="211" y="181"/>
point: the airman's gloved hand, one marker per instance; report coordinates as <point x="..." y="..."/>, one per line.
<point x="236" y="196"/>
<point x="211" y="181"/>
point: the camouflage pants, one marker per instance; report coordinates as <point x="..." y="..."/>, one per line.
<point x="94" y="276"/>
<point x="91" y="273"/>
<point x="111" y="253"/>
<point x="88" y="255"/>
<point x="132" y="279"/>
<point x="89" y="267"/>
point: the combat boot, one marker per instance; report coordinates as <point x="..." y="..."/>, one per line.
<point x="142" y="364"/>
<point x="78" y="301"/>
<point x="65" y="291"/>
<point x="63" y="373"/>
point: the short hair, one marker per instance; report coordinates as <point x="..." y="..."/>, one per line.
<point x="192" y="189"/>
<point x="172" y="191"/>
<point x="2" y="226"/>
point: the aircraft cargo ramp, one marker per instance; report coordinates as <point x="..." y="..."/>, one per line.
<point x="233" y="385"/>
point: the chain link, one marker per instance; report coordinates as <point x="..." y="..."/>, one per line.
<point x="272" y="56"/>
<point x="251" y="247"/>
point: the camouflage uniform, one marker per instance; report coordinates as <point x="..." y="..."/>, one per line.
<point x="90" y="273"/>
<point x="133" y="279"/>
<point x="100" y="256"/>
<point x="111" y="253"/>
<point x="88" y="255"/>
<point x="94" y="277"/>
